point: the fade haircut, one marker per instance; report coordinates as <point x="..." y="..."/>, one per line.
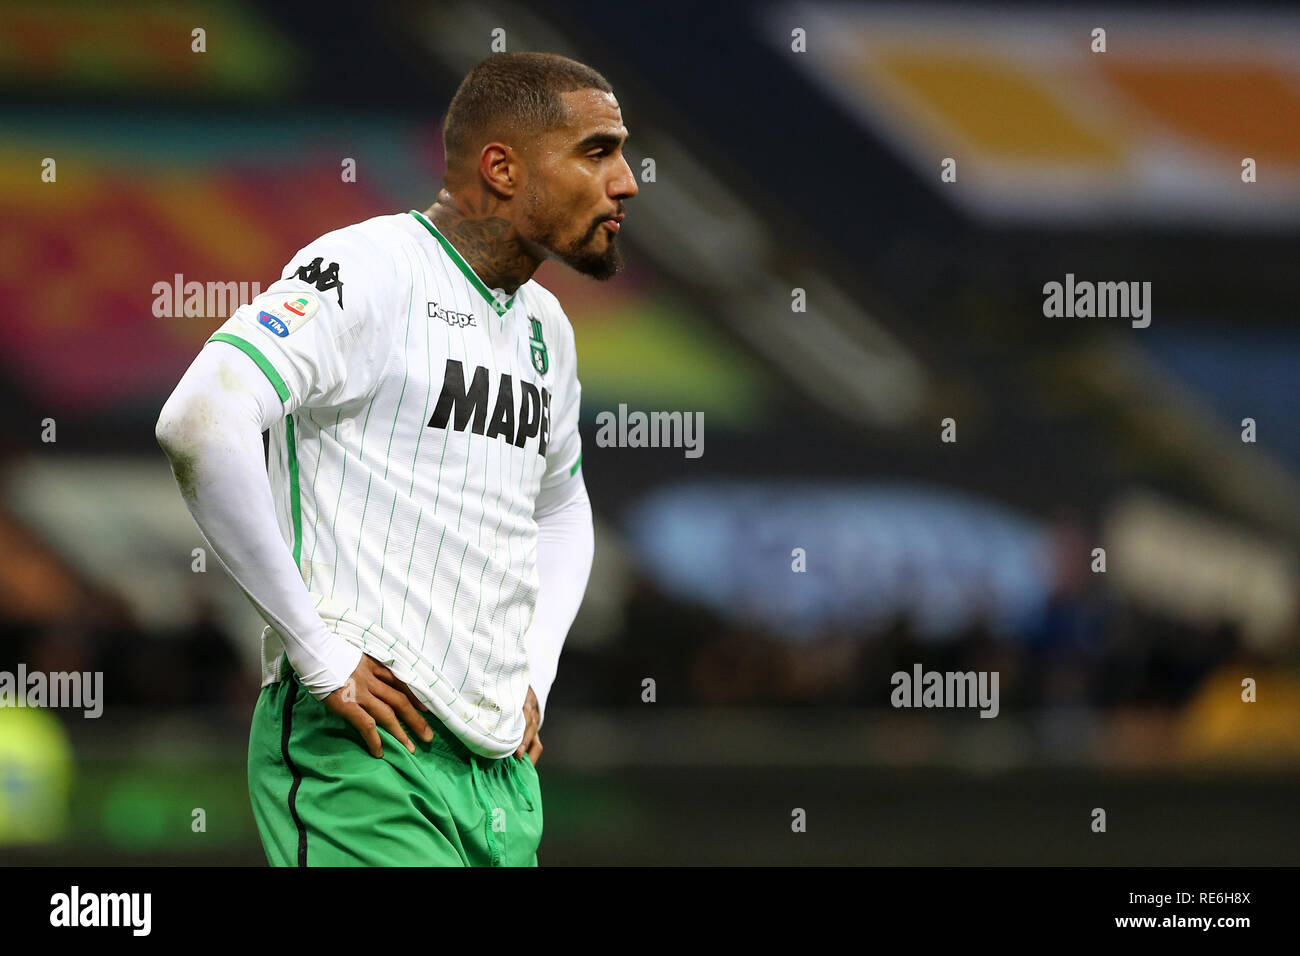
<point x="511" y="95"/>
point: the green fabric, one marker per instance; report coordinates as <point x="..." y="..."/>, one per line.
<point x="253" y="352"/>
<point x="464" y="266"/>
<point x="441" y="806"/>
<point x="295" y="493"/>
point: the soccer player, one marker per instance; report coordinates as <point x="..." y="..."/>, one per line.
<point x="419" y="538"/>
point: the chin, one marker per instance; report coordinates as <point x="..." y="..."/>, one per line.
<point x="590" y="258"/>
<point x="603" y="266"/>
<point x="602" y="269"/>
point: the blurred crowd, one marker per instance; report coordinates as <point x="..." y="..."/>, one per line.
<point x="1090" y="648"/>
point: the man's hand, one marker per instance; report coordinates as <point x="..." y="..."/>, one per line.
<point x="532" y="744"/>
<point x="373" y="697"/>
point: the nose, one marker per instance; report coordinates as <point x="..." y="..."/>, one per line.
<point x="624" y="186"/>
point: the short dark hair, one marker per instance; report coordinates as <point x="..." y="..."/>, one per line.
<point x="511" y="93"/>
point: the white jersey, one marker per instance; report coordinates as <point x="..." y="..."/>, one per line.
<point x="423" y="414"/>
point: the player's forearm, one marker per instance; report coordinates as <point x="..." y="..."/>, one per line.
<point x="211" y="431"/>
<point x="565" y="548"/>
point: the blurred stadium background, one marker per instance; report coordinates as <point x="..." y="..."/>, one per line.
<point x="774" y="171"/>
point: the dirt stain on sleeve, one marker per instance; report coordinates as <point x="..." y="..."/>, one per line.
<point x="185" y="468"/>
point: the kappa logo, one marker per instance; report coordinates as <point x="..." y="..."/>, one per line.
<point x="450" y="316"/>
<point x="322" y="279"/>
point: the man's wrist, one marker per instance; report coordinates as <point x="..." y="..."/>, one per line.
<point x="328" y="669"/>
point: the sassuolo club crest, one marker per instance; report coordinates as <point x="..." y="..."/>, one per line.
<point x="537" y="347"/>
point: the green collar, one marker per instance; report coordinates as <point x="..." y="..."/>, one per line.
<point x="456" y="257"/>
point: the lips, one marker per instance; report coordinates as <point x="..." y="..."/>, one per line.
<point x="612" y="225"/>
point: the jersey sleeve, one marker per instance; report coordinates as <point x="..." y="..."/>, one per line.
<point x="564" y="447"/>
<point x="322" y="333"/>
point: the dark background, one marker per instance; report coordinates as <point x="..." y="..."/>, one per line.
<point x="773" y="170"/>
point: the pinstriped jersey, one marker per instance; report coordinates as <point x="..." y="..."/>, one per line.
<point x="423" y="413"/>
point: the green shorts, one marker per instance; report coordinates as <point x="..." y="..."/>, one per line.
<point x="320" y="798"/>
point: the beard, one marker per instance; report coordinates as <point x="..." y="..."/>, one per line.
<point x="588" y="254"/>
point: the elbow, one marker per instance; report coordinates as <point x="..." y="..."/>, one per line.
<point x="187" y="417"/>
<point x="164" y="430"/>
<point x="178" y="431"/>
<point x="588" y="531"/>
<point x="172" y="427"/>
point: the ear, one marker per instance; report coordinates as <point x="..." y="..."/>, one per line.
<point x="499" y="168"/>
